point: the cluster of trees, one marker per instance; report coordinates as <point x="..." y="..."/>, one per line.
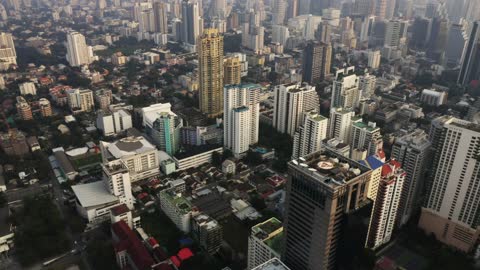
<point x="40" y="231"/>
<point x="282" y="143"/>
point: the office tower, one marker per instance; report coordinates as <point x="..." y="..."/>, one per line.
<point x="78" y="53"/>
<point x="232" y="70"/>
<point x="470" y="63"/>
<point x="309" y="136"/>
<point x="253" y="37"/>
<point x="140" y="7"/>
<point x="279" y="12"/>
<point x="386" y="206"/>
<point x="325" y="193"/>
<point x="395" y="33"/>
<point x="364" y="7"/>
<point x="323" y="32"/>
<point x="45" y="107"/>
<point x="8" y="55"/>
<point x="437" y="42"/>
<point x="412" y="150"/>
<point x="165" y="132"/>
<point x="210" y="62"/>
<point x="192" y="22"/>
<point x="291" y="102"/>
<point x="455" y="45"/>
<point x="27" y="88"/>
<point x="367" y="28"/>
<point x="280" y="34"/>
<point x="116" y="178"/>
<point x="264" y="242"/>
<point x="292" y="9"/>
<point x="316" y="62"/>
<point x="366" y="137"/>
<point x="317" y="6"/>
<point x="24" y="110"/>
<point x="241" y="117"/>
<point x="420" y="32"/>
<point x="374" y="58"/>
<point x="347" y="35"/>
<point x="451" y="210"/>
<point x="80" y="100"/>
<point x="380" y="9"/>
<point x="340" y="124"/>
<point x="160" y="14"/>
<point x="218" y="8"/>
<point x="345" y="92"/>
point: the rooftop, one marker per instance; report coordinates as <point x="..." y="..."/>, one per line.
<point x="93" y="194"/>
<point x="273" y="264"/>
<point x="180" y="202"/>
<point x="119" y="210"/>
<point x="330" y="168"/>
<point x="129" y="146"/>
<point x="370" y="127"/>
<point x="270" y="232"/>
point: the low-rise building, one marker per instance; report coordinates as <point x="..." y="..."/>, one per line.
<point x="6" y="231"/>
<point x="273" y="264"/>
<point x="207" y="232"/>
<point x="196" y="156"/>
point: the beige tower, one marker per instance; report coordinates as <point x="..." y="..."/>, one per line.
<point x="210" y="60"/>
<point x="232" y="71"/>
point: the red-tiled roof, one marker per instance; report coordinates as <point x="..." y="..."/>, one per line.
<point x="184" y="254"/>
<point x="137" y="251"/>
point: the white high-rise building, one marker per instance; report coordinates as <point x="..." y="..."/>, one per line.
<point x="8" y="55"/>
<point x="374" y="58"/>
<point x="291" y="101"/>
<point x="279" y="12"/>
<point x="412" y="151"/>
<point x="263" y="243"/>
<point x="385" y="208"/>
<point x="345" y="91"/>
<point x="117" y="179"/>
<point x="451" y="211"/>
<point x="309" y="136"/>
<point x="241" y="117"/>
<point x="280" y="34"/>
<point x="366" y="137"/>
<point x="192" y="22"/>
<point x="78" y="53"/>
<point x="80" y="100"/>
<point x="340" y="124"/>
<point x="396" y="33"/>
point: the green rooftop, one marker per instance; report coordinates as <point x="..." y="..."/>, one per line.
<point x="363" y="125"/>
<point x="271" y="232"/>
<point x="179" y="201"/>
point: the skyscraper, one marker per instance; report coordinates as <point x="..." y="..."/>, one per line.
<point x="366" y="137"/>
<point x="241" y="117"/>
<point x="412" y="150"/>
<point x="316" y="62"/>
<point x="309" y="136"/>
<point x="210" y="62"/>
<point x="232" y="73"/>
<point x="192" y="22"/>
<point x="345" y="92"/>
<point x="279" y="12"/>
<point x="8" y="55"/>
<point x="78" y="53"/>
<point x="325" y="190"/>
<point x="470" y="63"/>
<point x="165" y="132"/>
<point x="380" y="8"/>
<point x="291" y="101"/>
<point x="340" y="124"/>
<point x="160" y="14"/>
<point x="218" y="9"/>
<point x="386" y="205"/>
<point x="451" y="210"/>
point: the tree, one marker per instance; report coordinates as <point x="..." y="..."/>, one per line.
<point x="253" y="158"/>
<point x="216" y="159"/>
